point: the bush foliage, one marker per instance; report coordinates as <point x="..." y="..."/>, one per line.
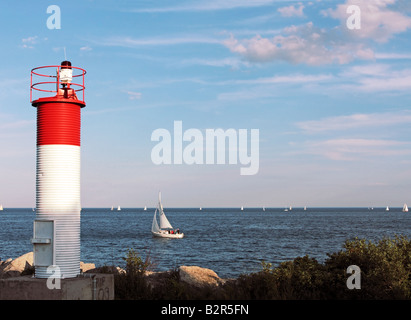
<point x="385" y="274"/>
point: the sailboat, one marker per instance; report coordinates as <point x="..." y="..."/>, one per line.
<point x="145" y="208"/>
<point x="405" y="208"/>
<point x="118" y="208"/>
<point x="1" y="207"/>
<point x="387" y="209"/>
<point x="165" y="230"/>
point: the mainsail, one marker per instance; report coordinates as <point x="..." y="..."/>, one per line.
<point x="164" y="223"/>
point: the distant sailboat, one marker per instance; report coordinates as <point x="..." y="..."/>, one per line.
<point x="165" y="230"/>
<point x="387" y="209"/>
<point x="118" y="208"/>
<point x="201" y="208"/>
<point x="112" y="208"/>
<point x="305" y="208"/>
<point x="263" y="208"/>
<point x="242" y="208"/>
<point x="1" y="207"/>
<point x="405" y="208"/>
<point x="145" y="208"/>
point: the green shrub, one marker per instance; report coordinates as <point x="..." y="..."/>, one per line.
<point x="385" y="274"/>
<point x="385" y="268"/>
<point x="131" y="284"/>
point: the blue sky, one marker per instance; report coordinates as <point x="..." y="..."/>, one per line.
<point x="332" y="105"/>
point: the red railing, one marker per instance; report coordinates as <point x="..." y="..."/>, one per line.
<point x="39" y="86"/>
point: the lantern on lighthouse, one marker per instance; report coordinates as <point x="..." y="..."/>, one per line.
<point x="56" y="232"/>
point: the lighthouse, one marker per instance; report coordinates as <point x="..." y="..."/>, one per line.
<point x="56" y="230"/>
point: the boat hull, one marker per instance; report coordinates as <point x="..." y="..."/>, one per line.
<point x="168" y="235"/>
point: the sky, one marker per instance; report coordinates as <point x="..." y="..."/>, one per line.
<point x="327" y="90"/>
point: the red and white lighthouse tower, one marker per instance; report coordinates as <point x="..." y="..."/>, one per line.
<point x="56" y="236"/>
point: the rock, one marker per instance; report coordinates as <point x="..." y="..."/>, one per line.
<point x="157" y="279"/>
<point x="84" y="267"/>
<point x="199" y="277"/>
<point x="4" y="263"/>
<point x="19" y="264"/>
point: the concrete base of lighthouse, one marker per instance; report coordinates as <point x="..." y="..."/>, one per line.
<point x="89" y="286"/>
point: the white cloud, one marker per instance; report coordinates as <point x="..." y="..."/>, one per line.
<point x="292" y="11"/>
<point x="29" y="42"/>
<point x="234" y="63"/>
<point x="86" y="48"/>
<point x="296" y="78"/>
<point x="311" y="45"/>
<point x="392" y="56"/>
<point x="134" y="95"/>
<point x="355" y="126"/>
<point x="354" y="149"/>
<point x="305" y="44"/>
<point x="359" y="120"/>
<point x="211" y="5"/>
<point x="377" y="78"/>
<point x="263" y="87"/>
<point x="378" y="21"/>
<point x="133" y="42"/>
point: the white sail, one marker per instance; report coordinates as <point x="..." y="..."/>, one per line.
<point x="405" y="208"/>
<point x="154" y="226"/>
<point x="164" y="223"/>
<point x="387" y="209"/>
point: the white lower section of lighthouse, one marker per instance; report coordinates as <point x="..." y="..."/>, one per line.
<point x="57" y="225"/>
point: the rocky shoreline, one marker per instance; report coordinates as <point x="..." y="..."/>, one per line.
<point x="192" y="275"/>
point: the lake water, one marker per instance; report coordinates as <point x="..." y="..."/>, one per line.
<point x="226" y="240"/>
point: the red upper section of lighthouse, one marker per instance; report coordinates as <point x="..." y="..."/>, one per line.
<point x="58" y="123"/>
<point x="58" y="116"/>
